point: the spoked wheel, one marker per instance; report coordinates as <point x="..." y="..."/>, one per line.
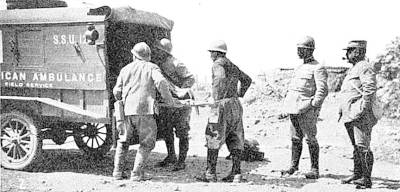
<point x="93" y="138"/>
<point x="20" y="141"/>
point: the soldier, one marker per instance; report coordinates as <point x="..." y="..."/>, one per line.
<point x="171" y="117"/>
<point x="136" y="87"/>
<point x="307" y="91"/>
<point x="358" y="92"/>
<point x="225" y="124"/>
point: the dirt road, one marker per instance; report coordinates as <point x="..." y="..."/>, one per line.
<point x="65" y="168"/>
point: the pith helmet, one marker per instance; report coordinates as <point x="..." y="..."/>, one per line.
<point x="356" y="44"/>
<point x="165" y="45"/>
<point x="219" y="46"/>
<point x="307" y="42"/>
<point x="142" y="51"/>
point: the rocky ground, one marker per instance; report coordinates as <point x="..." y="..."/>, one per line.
<point x="65" y="168"/>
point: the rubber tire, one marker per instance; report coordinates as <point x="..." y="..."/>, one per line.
<point x="95" y="152"/>
<point x="35" y="138"/>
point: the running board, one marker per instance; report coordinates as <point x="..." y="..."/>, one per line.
<point x="58" y="104"/>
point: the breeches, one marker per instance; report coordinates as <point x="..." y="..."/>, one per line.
<point x="229" y="127"/>
<point x="304" y="125"/>
<point x="143" y="126"/>
<point x="359" y="133"/>
<point x="170" y="118"/>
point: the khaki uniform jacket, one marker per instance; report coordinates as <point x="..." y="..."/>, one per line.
<point x="178" y="76"/>
<point x="225" y="79"/>
<point x="177" y="73"/>
<point x="137" y="84"/>
<point x="362" y="75"/>
<point x="308" y="88"/>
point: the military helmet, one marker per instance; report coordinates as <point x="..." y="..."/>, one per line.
<point x="219" y="46"/>
<point x="165" y="45"/>
<point x="307" y="42"/>
<point x="142" y="51"/>
<point x="356" y="44"/>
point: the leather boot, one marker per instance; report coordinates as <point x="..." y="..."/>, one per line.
<point x="183" y="149"/>
<point x="367" y="161"/>
<point x="297" y="147"/>
<point x="235" y="175"/>
<point x="211" y="172"/>
<point x="357" y="167"/>
<point x="314" y="156"/>
<point x="120" y="161"/>
<point x="171" y="157"/>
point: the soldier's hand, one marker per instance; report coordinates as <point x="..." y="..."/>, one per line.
<point x="185" y="93"/>
<point x="188" y="102"/>
<point x="177" y="103"/>
<point x="211" y="101"/>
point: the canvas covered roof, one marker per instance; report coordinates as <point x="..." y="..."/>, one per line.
<point x="80" y="15"/>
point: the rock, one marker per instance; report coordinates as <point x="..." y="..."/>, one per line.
<point x="264" y="178"/>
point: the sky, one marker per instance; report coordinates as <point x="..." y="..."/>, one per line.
<point x="262" y="35"/>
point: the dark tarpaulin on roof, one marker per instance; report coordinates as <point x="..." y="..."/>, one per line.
<point x="129" y="15"/>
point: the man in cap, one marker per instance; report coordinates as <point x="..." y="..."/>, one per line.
<point x="225" y="124"/>
<point x="307" y="91"/>
<point x="172" y="117"/>
<point x="358" y="92"/>
<point x="136" y="87"/>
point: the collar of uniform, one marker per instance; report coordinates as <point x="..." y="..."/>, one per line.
<point x="221" y="60"/>
<point x="309" y="60"/>
<point x="362" y="62"/>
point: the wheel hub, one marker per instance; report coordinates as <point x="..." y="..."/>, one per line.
<point x="91" y="131"/>
<point x="15" y="138"/>
<point x="15" y="141"/>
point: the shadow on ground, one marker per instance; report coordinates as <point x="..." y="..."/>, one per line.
<point x="377" y="181"/>
<point x="75" y="161"/>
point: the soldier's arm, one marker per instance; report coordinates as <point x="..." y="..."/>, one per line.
<point x="245" y="82"/>
<point x="161" y="84"/>
<point x="117" y="91"/>
<point x="368" y="85"/>
<point x="184" y="74"/>
<point x="321" y="82"/>
<point x="218" y="76"/>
